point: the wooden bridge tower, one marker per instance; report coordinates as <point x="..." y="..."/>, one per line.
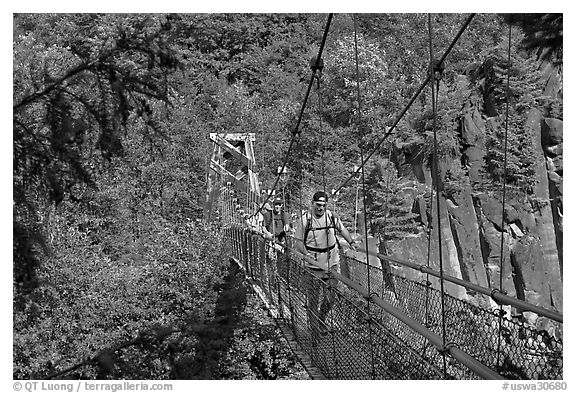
<point x="232" y="161"/>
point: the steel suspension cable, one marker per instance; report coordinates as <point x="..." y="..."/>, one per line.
<point x="361" y="132"/>
<point x="387" y="195"/>
<point x="249" y="189"/>
<point x="409" y="104"/>
<point x="385" y="223"/>
<point x="224" y="203"/>
<point x="356" y="206"/>
<point x="327" y="230"/>
<point x="230" y="206"/>
<point x="323" y="170"/>
<point x="504" y="188"/>
<point x="296" y="132"/>
<point x="432" y="196"/>
<point x="436" y="175"/>
<point x="429" y="229"/>
<point x="322" y="146"/>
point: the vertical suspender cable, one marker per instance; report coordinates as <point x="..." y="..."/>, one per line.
<point x="322" y="146"/>
<point x="428" y="283"/>
<point x="230" y="210"/>
<point x="296" y="132"/>
<point x="229" y="213"/>
<point x="386" y="277"/>
<point x="437" y="181"/>
<point x="326" y="225"/>
<point x="356" y="208"/>
<point x="504" y="186"/>
<point x="223" y="205"/>
<point x="386" y="198"/>
<point x="323" y="169"/>
<point x="249" y="186"/>
<point x="301" y="222"/>
<point x="414" y="97"/>
<point x="361" y="132"/>
<point x="224" y="202"/>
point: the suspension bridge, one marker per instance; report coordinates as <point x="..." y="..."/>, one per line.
<point x="381" y="325"/>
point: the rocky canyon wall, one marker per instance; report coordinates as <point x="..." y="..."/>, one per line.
<point x="517" y="246"/>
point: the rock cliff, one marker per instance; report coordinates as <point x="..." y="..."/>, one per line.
<point x="516" y="247"/>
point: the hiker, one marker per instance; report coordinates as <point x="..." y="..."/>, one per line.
<point x="316" y="238"/>
<point x="254" y="223"/>
<point x="266" y="214"/>
<point x="277" y="222"/>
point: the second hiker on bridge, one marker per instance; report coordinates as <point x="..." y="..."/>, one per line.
<point x="316" y="238"/>
<point x="277" y="221"/>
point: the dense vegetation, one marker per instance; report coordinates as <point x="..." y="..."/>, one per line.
<point x="114" y="269"/>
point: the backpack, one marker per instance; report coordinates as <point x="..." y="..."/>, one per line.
<point x="275" y="222"/>
<point x="279" y="222"/>
<point x="309" y="228"/>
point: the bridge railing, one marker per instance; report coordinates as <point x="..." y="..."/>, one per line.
<point x="495" y="294"/>
<point x="366" y="336"/>
<point x="506" y="345"/>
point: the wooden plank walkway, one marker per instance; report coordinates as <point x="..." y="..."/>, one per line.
<point x="313" y="371"/>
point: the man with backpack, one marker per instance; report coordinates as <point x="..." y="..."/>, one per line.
<point x="316" y="238"/>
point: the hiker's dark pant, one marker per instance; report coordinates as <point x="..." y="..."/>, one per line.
<point x="320" y="296"/>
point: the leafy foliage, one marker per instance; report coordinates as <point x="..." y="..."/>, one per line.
<point x="110" y="147"/>
<point x="257" y="350"/>
<point x="80" y="82"/>
<point x="113" y="270"/>
<point x="87" y="302"/>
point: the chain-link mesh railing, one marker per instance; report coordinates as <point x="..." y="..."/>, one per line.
<point x="350" y="337"/>
<point x="521" y="352"/>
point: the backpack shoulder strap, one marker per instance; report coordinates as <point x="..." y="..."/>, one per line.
<point x="308" y="225"/>
<point x="332" y="220"/>
<point x="331" y="215"/>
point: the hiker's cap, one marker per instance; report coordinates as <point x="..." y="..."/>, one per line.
<point x="320" y="196"/>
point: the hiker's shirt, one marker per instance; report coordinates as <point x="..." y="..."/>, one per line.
<point x="320" y="239"/>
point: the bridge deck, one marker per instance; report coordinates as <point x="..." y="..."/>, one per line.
<point x="313" y="371"/>
<point x="359" y="340"/>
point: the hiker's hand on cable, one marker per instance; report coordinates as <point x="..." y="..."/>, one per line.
<point x="352" y="244"/>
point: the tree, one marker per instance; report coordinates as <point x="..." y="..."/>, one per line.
<point x="391" y="217"/>
<point x="79" y="82"/>
<point x="543" y="34"/>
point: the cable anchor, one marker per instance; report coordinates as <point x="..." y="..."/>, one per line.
<point x="446" y="348"/>
<point x="438" y="69"/>
<point x="317" y="65"/>
<point x="493" y="295"/>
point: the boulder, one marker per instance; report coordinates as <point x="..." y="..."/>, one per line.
<point x="472" y="139"/>
<point x="492" y="210"/>
<point x="490" y="239"/>
<point x="553" y="151"/>
<point x="516" y="232"/>
<point x="467" y="241"/>
<point x="510" y="214"/>
<point x="530" y="275"/>
<point x="552" y="80"/>
<point x="552" y="133"/>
